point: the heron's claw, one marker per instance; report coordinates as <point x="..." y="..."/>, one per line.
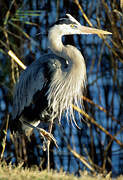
<point x="47" y="135"/>
<point x="44" y="134"/>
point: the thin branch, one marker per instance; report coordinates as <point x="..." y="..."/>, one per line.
<point x="101" y="109"/>
<point x="81" y="158"/>
<point x="4" y="139"/>
<point x="15" y="58"/>
<point x="96" y="124"/>
<point x="101" y="36"/>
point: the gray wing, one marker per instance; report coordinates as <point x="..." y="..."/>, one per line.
<point x="31" y="80"/>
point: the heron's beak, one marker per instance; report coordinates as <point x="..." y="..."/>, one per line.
<point x="89" y="30"/>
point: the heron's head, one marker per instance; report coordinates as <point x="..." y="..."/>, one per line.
<point x="69" y="25"/>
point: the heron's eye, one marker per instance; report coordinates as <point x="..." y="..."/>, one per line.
<point x="73" y="26"/>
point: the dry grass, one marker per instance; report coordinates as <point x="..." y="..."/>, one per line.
<point x="8" y="172"/>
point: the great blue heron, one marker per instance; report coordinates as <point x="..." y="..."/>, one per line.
<point x="50" y="85"/>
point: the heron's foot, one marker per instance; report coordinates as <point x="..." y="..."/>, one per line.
<point x="48" y="136"/>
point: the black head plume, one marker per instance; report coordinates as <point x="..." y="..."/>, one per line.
<point x="64" y="20"/>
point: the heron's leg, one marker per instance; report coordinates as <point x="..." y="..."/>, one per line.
<point x="48" y="155"/>
<point x="48" y="135"/>
<point x="48" y="145"/>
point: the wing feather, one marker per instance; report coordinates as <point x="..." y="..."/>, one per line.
<point x="31" y="80"/>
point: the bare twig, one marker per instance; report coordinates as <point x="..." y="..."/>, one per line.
<point x="100" y="108"/>
<point x="81" y="158"/>
<point x="4" y="139"/>
<point x="101" y="36"/>
<point x="16" y="59"/>
<point x="96" y="124"/>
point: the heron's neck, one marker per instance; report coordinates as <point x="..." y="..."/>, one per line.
<point x="55" y="41"/>
<point x="67" y="52"/>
